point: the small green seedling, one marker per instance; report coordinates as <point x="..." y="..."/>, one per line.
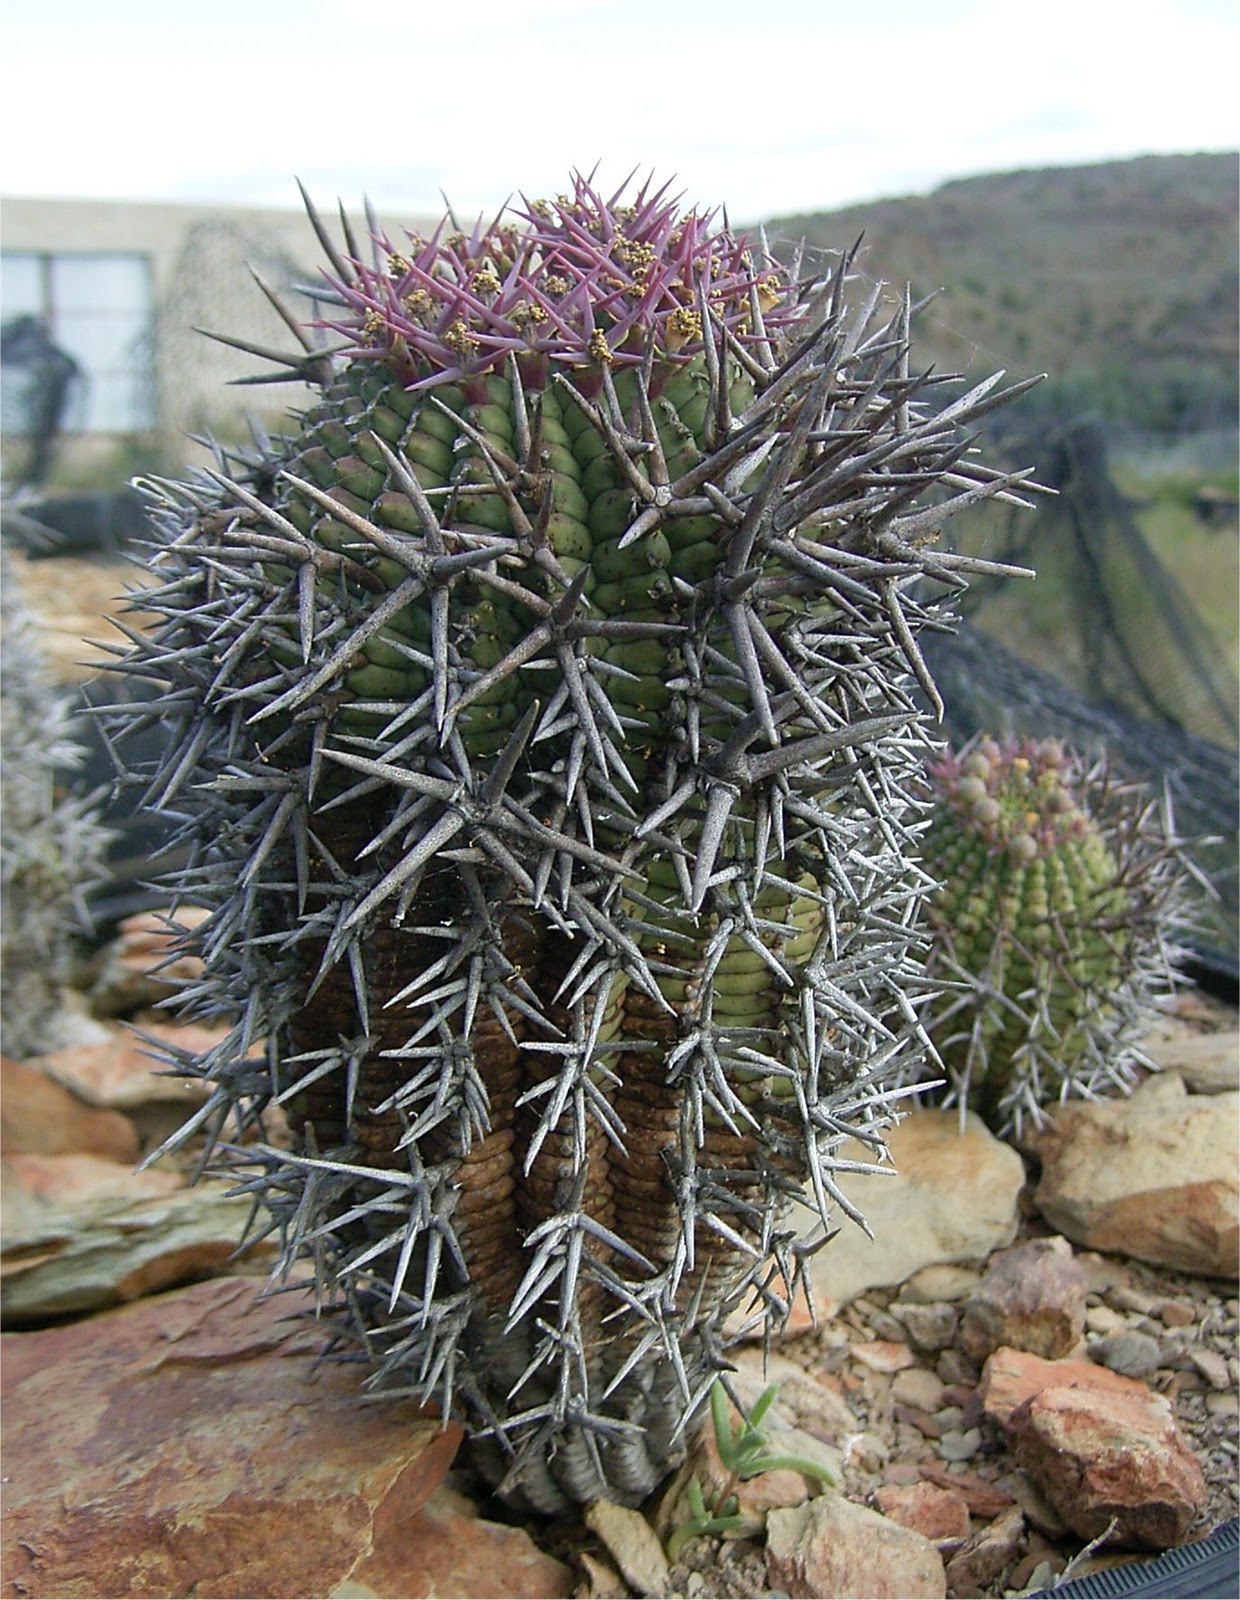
<point x="743" y="1452"/>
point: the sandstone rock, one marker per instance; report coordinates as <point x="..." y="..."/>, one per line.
<point x="193" y="1444"/>
<point x="80" y="1233"/>
<point x="39" y="1116"/>
<point x="1010" y="1377"/>
<point x="1098" y="1455"/>
<point x="883" y="1355"/>
<point x="953" y="1198"/>
<point x="933" y="1512"/>
<point x="446" y="1548"/>
<point x="918" y="1387"/>
<point x="601" y="1582"/>
<point x="983" y="1498"/>
<point x="633" y="1544"/>
<point x="142" y="966"/>
<point x="833" y="1547"/>
<point x="947" y="1284"/>
<point x="1031" y="1298"/>
<point x="1153" y="1176"/>
<point x="974" y="1568"/>
<point x="960" y="1444"/>
<point x="122" y="1071"/>
<point x="1209" y="1063"/>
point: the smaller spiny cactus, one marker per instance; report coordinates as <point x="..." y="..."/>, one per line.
<point x="51" y="843"/>
<point x="1060" y="898"/>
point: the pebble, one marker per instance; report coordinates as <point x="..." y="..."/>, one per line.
<point x="1126" y="1297"/>
<point x="958" y="1446"/>
<point x="930" y="1326"/>
<point x="1223" y="1405"/>
<point x="954" y="1367"/>
<point x="938" y="1282"/>
<point x="867" y="1451"/>
<point x="883" y="1355"/>
<point x="1212" y="1367"/>
<point x="1102" y="1273"/>
<point x="1103" y="1319"/>
<point x="919" y="1388"/>
<point x="1133" y="1354"/>
<point x="1176" y="1314"/>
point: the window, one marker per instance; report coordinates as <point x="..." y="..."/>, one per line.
<point x="95" y="309"/>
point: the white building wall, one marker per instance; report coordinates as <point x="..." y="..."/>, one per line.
<point x="198" y="257"/>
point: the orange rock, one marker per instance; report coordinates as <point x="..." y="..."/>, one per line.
<point x="884" y="1355"/>
<point x="1012" y="1376"/>
<point x="190" y="1445"/>
<point x="447" y="1549"/>
<point x="1152" y="1176"/>
<point x="834" y="1547"/>
<point x="1107" y="1457"/>
<point x="125" y="1070"/>
<point x="142" y="966"/>
<point x="933" y="1512"/>
<point x="39" y="1116"/>
<point x="983" y="1498"/>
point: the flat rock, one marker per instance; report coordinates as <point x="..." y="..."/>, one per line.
<point x="832" y="1546"/>
<point x="1010" y="1377"/>
<point x="80" y="1233"/>
<point x="633" y="1545"/>
<point x="1102" y="1456"/>
<point x="192" y="1444"/>
<point x="142" y="966"/>
<point x="952" y="1199"/>
<point x="974" y="1567"/>
<point x="1031" y="1298"/>
<point x="1128" y="1351"/>
<point x="1209" y="1063"/>
<point x="39" y="1116"/>
<point x="1153" y="1176"/>
<point x="446" y="1548"/>
<point x="123" y="1071"/>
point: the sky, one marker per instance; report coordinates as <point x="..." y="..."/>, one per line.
<point x="767" y="107"/>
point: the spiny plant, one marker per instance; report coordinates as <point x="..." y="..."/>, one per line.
<point x="1055" y="923"/>
<point x="52" y="842"/>
<point x="541" y="716"/>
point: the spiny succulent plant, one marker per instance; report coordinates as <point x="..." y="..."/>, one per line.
<point x="52" y="842"/>
<point x="1062" y="897"/>
<point x="541" y="718"/>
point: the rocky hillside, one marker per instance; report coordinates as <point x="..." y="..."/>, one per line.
<point x="1098" y="275"/>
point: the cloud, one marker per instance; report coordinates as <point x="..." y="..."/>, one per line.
<point x="812" y="104"/>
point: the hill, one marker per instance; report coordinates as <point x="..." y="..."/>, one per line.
<point x="1119" y="280"/>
